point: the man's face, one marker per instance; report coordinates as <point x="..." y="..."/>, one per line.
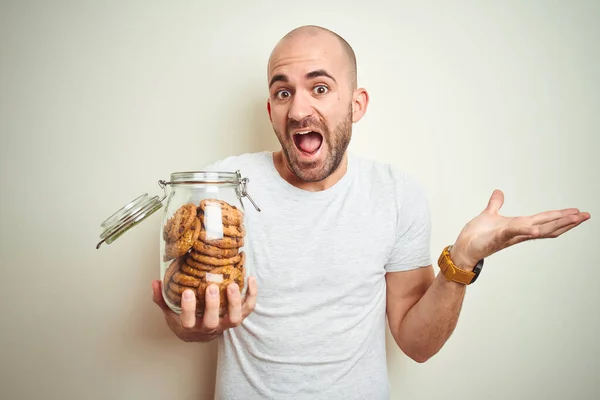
<point x="310" y="104"/>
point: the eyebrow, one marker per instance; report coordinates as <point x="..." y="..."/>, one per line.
<point x="310" y="75"/>
<point x="278" y="78"/>
<point x="318" y="73"/>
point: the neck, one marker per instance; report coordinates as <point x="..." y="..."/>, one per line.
<point x="288" y="175"/>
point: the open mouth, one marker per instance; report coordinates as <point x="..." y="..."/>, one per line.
<point x="308" y="142"/>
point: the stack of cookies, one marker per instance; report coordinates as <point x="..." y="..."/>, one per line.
<point x="204" y="256"/>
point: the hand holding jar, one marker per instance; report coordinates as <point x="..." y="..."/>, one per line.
<point x="188" y="327"/>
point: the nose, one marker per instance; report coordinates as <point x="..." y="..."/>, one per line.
<point x="300" y="107"/>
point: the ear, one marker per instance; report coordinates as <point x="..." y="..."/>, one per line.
<point x="360" y="101"/>
<point x="269" y="109"/>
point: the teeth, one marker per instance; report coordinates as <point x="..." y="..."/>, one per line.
<point x="302" y="133"/>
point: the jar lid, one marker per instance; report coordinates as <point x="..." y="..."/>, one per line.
<point x="209" y="177"/>
<point x="128" y="217"/>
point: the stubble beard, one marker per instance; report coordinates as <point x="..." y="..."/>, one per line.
<point x="337" y="146"/>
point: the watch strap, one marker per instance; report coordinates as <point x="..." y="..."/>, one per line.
<point x="452" y="273"/>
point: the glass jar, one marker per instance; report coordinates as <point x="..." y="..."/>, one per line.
<point x="202" y="236"/>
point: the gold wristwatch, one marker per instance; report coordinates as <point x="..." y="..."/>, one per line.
<point x="452" y="273"/>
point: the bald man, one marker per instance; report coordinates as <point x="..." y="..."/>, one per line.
<point x="341" y="243"/>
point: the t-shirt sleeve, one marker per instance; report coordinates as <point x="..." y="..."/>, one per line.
<point x="413" y="230"/>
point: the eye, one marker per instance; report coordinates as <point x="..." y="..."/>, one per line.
<point x="282" y="94"/>
<point x="320" y="89"/>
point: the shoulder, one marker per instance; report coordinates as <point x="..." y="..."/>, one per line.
<point x="390" y="178"/>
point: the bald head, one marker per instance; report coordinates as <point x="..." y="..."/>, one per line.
<point x="314" y="32"/>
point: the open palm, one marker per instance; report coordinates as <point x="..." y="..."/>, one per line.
<point x="490" y="232"/>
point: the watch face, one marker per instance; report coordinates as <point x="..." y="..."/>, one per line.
<point x="477" y="270"/>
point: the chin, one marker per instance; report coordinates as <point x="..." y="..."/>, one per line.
<point x="315" y="169"/>
<point x="311" y="175"/>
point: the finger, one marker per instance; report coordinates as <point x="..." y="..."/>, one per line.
<point x="542" y="224"/>
<point x="550" y="228"/>
<point x="549" y="216"/>
<point x="157" y="296"/>
<point x="495" y="203"/>
<point x="188" y="309"/>
<point x="522" y="238"/>
<point x="564" y="230"/>
<point x="250" y="300"/>
<point x="211" y="312"/>
<point x="234" y="308"/>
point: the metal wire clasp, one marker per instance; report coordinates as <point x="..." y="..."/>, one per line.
<point x="163" y="184"/>
<point x="244" y="189"/>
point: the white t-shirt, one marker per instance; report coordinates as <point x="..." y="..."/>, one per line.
<point x="320" y="259"/>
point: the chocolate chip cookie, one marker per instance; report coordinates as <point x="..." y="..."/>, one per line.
<point x="179" y="247"/>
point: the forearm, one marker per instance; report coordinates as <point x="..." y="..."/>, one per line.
<point x="431" y="321"/>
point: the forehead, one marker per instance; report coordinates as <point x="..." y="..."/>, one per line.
<point x="295" y="57"/>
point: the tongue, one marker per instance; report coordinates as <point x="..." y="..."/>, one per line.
<point x="309" y="142"/>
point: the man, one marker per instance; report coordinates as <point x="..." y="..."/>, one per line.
<point x="341" y="243"/>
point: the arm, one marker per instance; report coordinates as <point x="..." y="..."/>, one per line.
<point x="423" y="311"/>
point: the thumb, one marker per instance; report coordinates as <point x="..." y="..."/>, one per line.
<point x="496" y="202"/>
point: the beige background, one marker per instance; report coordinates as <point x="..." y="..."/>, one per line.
<point x="99" y="102"/>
